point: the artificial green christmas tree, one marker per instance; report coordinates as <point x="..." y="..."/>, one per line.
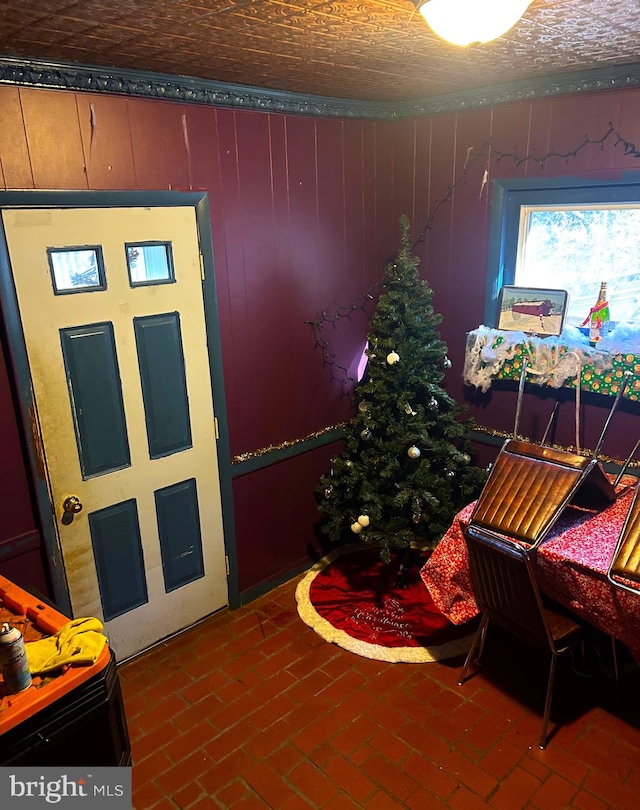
<point x="406" y="468"/>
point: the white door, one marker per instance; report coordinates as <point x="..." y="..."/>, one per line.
<point x="111" y="305"/>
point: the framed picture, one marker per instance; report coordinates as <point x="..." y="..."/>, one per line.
<point x="532" y="310"/>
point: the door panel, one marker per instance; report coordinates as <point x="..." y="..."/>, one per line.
<point x="120" y="373"/>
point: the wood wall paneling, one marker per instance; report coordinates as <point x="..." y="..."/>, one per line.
<point x="14" y="152"/>
<point x="354" y="195"/>
<point x="53" y="137"/>
<point x="437" y="264"/>
<point x="539" y="138"/>
<point x="160" y="145"/>
<point x="106" y="137"/>
<point x="573" y="122"/>
<point x="627" y="123"/>
<point x="461" y="291"/>
<point x="510" y="130"/>
<point x="277" y="516"/>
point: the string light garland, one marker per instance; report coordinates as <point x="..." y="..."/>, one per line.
<point x="501" y="434"/>
<point x="489" y="152"/>
<point x="273" y="448"/>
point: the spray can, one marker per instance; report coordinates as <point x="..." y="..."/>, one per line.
<point x="13" y="660"/>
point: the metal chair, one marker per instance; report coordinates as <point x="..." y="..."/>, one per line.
<point x="530" y="485"/>
<point x="624" y="568"/>
<point x="506" y="592"/>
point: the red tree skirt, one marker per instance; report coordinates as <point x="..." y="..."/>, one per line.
<point x="356" y="601"/>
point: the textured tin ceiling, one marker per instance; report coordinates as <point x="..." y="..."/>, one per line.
<point x="379" y="50"/>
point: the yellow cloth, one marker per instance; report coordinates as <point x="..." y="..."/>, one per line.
<point x="80" y="641"/>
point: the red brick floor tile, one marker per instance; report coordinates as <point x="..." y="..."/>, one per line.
<point x="433" y="776"/>
<point x="555" y="793"/>
<point x="341" y="802"/>
<point x="147" y="795"/>
<point x="515" y="790"/>
<point x="607" y="787"/>
<point x="390" y="777"/>
<point x="232" y="793"/>
<point x="225" y="770"/>
<point x="354" y="735"/>
<point x="389" y="745"/>
<point x="587" y="801"/>
<point x="188" y="795"/>
<point x="269" y="785"/>
<point x="465" y="799"/>
<point x="352" y="780"/>
<point x="313" y="783"/>
<point x="469" y="774"/>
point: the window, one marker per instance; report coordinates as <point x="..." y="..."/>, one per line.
<point x="567" y="234"/>
<point x="149" y="263"/>
<point x="76" y="269"/>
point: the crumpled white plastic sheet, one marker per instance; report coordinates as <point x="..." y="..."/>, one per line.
<point x="546" y="365"/>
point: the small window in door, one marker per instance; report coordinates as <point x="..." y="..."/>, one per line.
<point x="77" y="269"/>
<point x="149" y="263"/>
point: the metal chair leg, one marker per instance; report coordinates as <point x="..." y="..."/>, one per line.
<point x="547" y="704"/>
<point x="616" y="673"/>
<point x="479" y="637"/>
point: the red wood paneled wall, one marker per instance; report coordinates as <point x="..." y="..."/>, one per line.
<point x="305" y="216"/>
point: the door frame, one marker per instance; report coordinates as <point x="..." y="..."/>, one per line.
<point x="22" y="375"/>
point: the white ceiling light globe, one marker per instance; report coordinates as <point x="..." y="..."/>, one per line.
<point x="462" y="22"/>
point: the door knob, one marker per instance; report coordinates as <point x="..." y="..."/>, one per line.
<point x="72" y="505"/>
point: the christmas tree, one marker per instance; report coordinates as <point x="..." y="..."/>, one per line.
<point x="405" y="469"/>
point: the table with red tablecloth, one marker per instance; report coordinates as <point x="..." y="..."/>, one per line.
<point x="571" y="566"/>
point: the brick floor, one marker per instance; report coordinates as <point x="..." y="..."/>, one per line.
<point x="252" y="709"/>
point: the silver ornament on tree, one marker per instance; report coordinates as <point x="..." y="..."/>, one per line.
<point x="433" y="404"/>
<point x="450" y="474"/>
<point x="447" y="363"/>
<point x="327" y="492"/>
<point x="362" y="406"/>
<point x="366" y="435"/>
<point x="392" y="358"/>
<point x="413" y="451"/>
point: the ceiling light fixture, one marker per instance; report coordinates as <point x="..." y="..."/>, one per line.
<point x="462" y="22"/>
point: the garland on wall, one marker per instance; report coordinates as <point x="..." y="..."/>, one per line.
<point x="340" y="373"/>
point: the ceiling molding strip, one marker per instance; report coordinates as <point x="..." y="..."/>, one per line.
<point x="67" y="76"/>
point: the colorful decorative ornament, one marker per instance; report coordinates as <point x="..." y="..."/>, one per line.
<point x="362" y="406"/>
<point x="416" y="517"/>
<point x="408" y="409"/>
<point x="366" y="435"/>
<point x="413" y="452"/>
<point x="364" y="521"/>
<point x="392" y="358"/>
<point x="356" y="528"/>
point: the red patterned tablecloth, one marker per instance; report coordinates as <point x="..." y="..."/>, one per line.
<point x="571" y="566"/>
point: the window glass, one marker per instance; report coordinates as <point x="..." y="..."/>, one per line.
<point x="78" y="269"/>
<point x="570" y="234"/>
<point x="149" y="263"/>
<point x="575" y="249"/>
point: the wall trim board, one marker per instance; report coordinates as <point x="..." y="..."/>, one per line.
<point x="492" y="439"/>
<point x="20" y="544"/>
<point x="265" y="458"/>
<point x="188" y="89"/>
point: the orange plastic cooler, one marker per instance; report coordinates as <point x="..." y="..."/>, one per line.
<point x="73" y="717"/>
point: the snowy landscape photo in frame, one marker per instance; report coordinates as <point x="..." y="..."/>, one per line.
<point x="532" y="310"/>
